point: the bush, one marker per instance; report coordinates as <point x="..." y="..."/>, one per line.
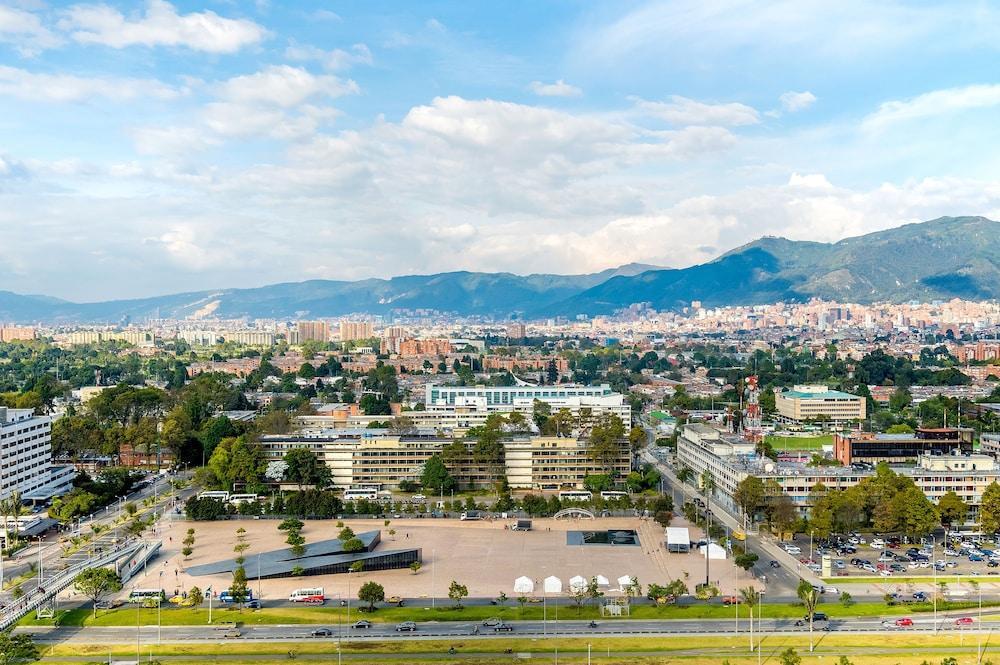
<point x="205" y="509"/>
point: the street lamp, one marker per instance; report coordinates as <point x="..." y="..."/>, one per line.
<point x="159" y="602"/>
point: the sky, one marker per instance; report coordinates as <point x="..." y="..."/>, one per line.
<point x="155" y="147"/>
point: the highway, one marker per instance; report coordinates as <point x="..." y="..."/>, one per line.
<point x="465" y="630"/>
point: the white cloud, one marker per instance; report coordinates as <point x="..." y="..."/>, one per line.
<point x="30" y="86"/>
<point x="160" y="26"/>
<point x="792" y="101"/>
<point x="284" y="86"/>
<point x="684" y="112"/>
<point x="936" y="103"/>
<point x="558" y="89"/>
<point x="25" y="31"/>
<point x="335" y="60"/>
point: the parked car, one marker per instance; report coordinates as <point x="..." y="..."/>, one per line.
<point x="775" y="564"/>
<point x="920" y="596"/>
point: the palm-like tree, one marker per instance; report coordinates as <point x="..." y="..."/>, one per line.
<point x="750" y="597"/>
<point x="685" y="474"/>
<point x="11" y="509"/>
<point x="810" y="598"/>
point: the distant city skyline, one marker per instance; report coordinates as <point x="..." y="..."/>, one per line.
<point x="158" y="147"/>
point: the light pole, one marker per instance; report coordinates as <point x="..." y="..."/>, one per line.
<point x="433" y="570"/>
<point x="811" y="532"/>
<point x="209" y="591"/>
<point x="588" y="653"/>
<point x="935" y="592"/>
<point x="159" y="602"/>
<point x="138" y="608"/>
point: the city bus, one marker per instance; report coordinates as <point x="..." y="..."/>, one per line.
<point x="242" y="498"/>
<point x="354" y="494"/>
<point x="141" y="595"/>
<point x="227" y="596"/>
<point x="612" y="495"/>
<point x="314" y="595"/>
<point x="575" y="495"/>
<point x="215" y="494"/>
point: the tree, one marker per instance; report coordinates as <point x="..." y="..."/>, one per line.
<point x="96" y="583"/>
<point x="345" y="534"/>
<point x="750" y="597"/>
<point x="457" y="592"/>
<point x="952" y="509"/>
<point x="371" y="593"/>
<point x="353" y="545"/>
<point x="989" y="509"/>
<point x="605" y="442"/>
<point x="594" y="592"/>
<point x="435" y="476"/>
<point x="810" y="598"/>
<point x="416" y="566"/>
<point x="16" y="649"/>
<point x="791" y="657"/>
<point x="749" y="496"/>
<point x="746" y="560"/>
<point x="195" y="596"/>
<point x="305" y="469"/>
<point x="238" y="589"/>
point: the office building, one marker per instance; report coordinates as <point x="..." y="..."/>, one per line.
<point x="730" y="459"/>
<point x="26" y="457"/>
<point x="818" y="404"/>
<point x="870" y="447"/>
<point x="522" y="398"/>
<point x="375" y="457"/>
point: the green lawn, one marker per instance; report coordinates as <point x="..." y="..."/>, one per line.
<point x="126" y="616"/>
<point x="800" y="442"/>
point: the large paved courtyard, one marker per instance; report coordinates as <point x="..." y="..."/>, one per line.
<point x="484" y="556"/>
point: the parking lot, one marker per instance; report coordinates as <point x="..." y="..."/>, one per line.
<point x="870" y="555"/>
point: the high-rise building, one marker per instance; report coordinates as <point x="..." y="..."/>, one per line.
<point x="14" y="333"/>
<point x="318" y="331"/>
<point x="26" y="457"/>
<point x="352" y="330"/>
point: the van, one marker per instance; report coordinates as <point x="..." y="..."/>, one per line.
<point x="471" y="515"/>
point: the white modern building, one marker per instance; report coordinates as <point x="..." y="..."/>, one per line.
<point x="595" y="400"/>
<point x="26" y="457"/>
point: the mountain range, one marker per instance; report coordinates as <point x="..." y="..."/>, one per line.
<point x="940" y="259"/>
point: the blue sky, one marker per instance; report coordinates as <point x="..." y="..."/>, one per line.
<point x="152" y="147"/>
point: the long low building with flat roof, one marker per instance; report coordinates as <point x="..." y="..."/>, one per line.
<point x="593" y="400"/>
<point x="380" y="458"/>
<point x="730" y="458"/>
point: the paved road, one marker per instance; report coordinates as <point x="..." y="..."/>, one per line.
<point x="432" y="630"/>
<point x="51" y="551"/>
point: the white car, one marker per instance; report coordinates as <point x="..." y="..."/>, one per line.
<point x="877" y="541"/>
<point x="877" y="546"/>
<point x="885" y="573"/>
<point x="418" y="497"/>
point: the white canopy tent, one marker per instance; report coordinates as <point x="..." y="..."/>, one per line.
<point x="678" y="539"/>
<point x="577" y="583"/>
<point x="603" y="581"/>
<point x="714" y="552"/>
<point x="524" y="585"/>
<point x="625" y="581"/>
<point x="552" y="585"/>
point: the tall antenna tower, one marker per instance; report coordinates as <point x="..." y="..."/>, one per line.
<point x="752" y="429"/>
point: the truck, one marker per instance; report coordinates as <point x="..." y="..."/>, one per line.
<point x="521" y="525"/>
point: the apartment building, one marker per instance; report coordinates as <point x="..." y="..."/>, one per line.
<point x="249" y="337"/>
<point x="318" y="331"/>
<point x="240" y="367"/>
<point x="529" y="362"/>
<point x="352" y="330"/>
<point x="26" y="457"/>
<point x="812" y="403"/>
<point x="16" y="333"/>
<point x="424" y="347"/>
